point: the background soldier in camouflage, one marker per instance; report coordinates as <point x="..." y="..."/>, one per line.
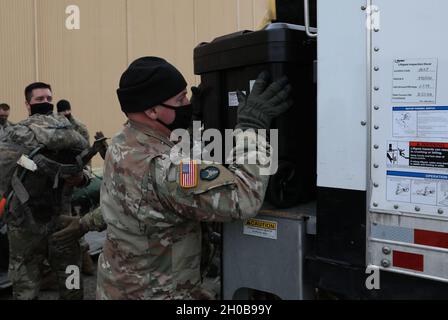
<point x="153" y="246"/>
<point x="4" y="114"/>
<point x="64" y="109"/>
<point x="41" y="196"/>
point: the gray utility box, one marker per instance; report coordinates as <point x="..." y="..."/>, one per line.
<point x="267" y="254"/>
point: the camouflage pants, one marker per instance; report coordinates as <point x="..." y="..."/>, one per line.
<point x="27" y="253"/>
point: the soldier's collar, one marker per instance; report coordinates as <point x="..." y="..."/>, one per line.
<point x="150" y="132"/>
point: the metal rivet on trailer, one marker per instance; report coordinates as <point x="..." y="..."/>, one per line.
<point x="417" y="208"/>
<point x="375" y="204"/>
<point x="376" y="108"/>
<point x="385" y="263"/>
<point x="376" y="185"/>
<point x="363" y="8"/>
<point x="440" y="211"/>
<point x="376" y="68"/>
<point x="396" y="206"/>
<point x="376" y="127"/>
<point x="363" y="123"/>
<point x="386" y="250"/>
<point x="376" y="146"/>
<point x="376" y="166"/>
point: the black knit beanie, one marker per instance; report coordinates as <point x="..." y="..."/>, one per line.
<point x="63" y="105"/>
<point x="147" y="82"/>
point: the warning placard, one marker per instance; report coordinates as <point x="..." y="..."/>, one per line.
<point x="421" y="154"/>
<point x="260" y="228"/>
<point x="428" y="154"/>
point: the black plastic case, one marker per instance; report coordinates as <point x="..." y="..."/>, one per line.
<point x="230" y="62"/>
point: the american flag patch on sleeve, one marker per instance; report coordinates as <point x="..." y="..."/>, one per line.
<point x="188" y="174"/>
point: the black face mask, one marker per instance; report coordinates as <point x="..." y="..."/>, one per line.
<point x="182" y="119"/>
<point x="3" y="120"/>
<point x="44" y="108"/>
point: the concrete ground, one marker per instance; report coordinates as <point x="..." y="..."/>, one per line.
<point x="95" y="241"/>
<point x="89" y="289"/>
<point x="212" y="284"/>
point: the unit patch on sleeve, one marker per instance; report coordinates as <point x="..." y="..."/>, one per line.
<point x="210" y="173"/>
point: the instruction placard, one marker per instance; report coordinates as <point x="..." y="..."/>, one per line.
<point x="417" y="188"/>
<point x="410" y="140"/>
<point x="420" y="122"/>
<point x="414" y="81"/>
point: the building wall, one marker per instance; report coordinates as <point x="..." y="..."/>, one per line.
<point x="84" y="66"/>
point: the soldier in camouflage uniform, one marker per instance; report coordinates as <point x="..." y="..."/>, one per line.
<point x="41" y="195"/>
<point x="153" y="246"/>
<point x="64" y="109"/>
<point x="4" y="114"/>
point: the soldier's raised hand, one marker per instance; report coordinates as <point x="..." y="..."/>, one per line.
<point x="264" y="103"/>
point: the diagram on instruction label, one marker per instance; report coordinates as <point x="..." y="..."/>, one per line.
<point x="399" y="189"/>
<point x="423" y="192"/>
<point x="405" y="124"/>
<point x="417" y="188"/>
<point x="397" y="153"/>
<point x="443" y="194"/>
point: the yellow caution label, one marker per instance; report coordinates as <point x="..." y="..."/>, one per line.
<point x="260" y="228"/>
<point x="263" y="224"/>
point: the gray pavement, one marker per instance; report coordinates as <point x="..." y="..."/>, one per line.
<point x="90" y="287"/>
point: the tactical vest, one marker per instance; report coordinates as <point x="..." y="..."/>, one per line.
<point x="35" y="155"/>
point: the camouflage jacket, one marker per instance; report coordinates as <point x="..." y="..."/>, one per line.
<point x="80" y="127"/>
<point x="153" y="245"/>
<point x="44" y="188"/>
<point x="3" y="128"/>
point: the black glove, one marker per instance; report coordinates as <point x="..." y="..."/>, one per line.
<point x="263" y="104"/>
<point x="102" y="149"/>
<point x="72" y="230"/>
<point x="197" y="94"/>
